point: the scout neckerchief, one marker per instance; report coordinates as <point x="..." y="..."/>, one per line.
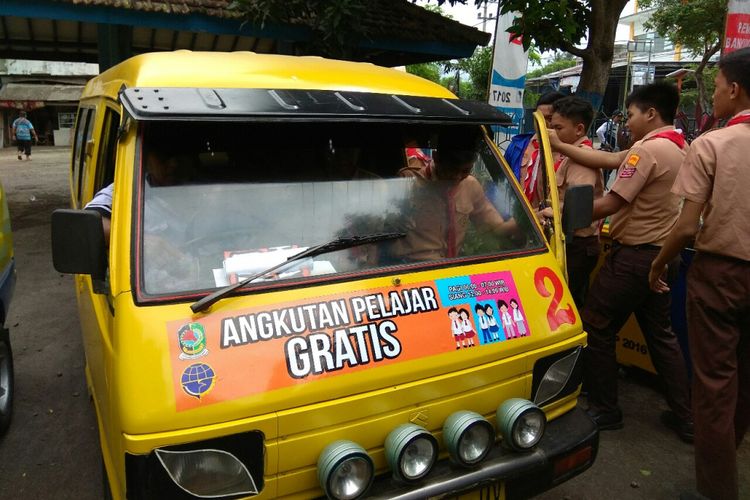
<point x="585" y="142"/>
<point x="672" y="135"/>
<point x="741" y="118"/>
<point x="419" y="155"/>
<point x="451" y="251"/>
<point x="529" y="183"/>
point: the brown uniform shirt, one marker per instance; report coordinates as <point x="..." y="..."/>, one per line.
<point x="430" y="220"/>
<point x="716" y="172"/>
<point x="570" y="173"/>
<point x="644" y="180"/>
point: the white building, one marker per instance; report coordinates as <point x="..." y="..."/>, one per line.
<point x="47" y="91"/>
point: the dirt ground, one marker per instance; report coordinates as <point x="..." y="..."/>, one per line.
<point x="51" y="450"/>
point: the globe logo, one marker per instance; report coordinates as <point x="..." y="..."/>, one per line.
<point x="198" y="379"/>
<point x="192" y="339"/>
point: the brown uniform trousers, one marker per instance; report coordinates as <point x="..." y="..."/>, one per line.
<point x="581" y="255"/>
<point x="718" y="308"/>
<point x="620" y="289"/>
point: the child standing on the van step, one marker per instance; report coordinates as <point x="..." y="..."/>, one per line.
<point x="23" y="130"/>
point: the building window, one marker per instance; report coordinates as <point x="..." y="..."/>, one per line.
<point x="66" y="120"/>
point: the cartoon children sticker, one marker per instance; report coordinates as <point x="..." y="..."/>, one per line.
<point x="484" y="323"/>
<point x="468" y="329"/>
<point x="494" y="329"/>
<point x="518" y="319"/>
<point x="457" y="328"/>
<point x="506" y="319"/>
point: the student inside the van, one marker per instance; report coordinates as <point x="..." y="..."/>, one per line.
<point x="445" y="199"/>
<point x="162" y="225"/>
<point x="162" y="170"/>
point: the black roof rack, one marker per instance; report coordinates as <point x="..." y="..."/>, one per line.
<point x="178" y="104"/>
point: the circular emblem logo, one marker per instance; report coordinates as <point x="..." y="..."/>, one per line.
<point x="198" y="379"/>
<point x="192" y="339"/>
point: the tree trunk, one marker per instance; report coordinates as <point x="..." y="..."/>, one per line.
<point x="699" y="82"/>
<point x="598" y="54"/>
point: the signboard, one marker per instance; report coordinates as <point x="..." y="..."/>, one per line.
<point x="642" y="75"/>
<point x="737" y="32"/>
<point x="508" y="72"/>
<point x="230" y="355"/>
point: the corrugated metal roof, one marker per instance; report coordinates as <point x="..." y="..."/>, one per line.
<point x="397" y="31"/>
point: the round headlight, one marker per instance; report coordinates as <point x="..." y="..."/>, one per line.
<point x="411" y="451"/>
<point x="345" y="470"/>
<point x="521" y="423"/>
<point x="468" y="436"/>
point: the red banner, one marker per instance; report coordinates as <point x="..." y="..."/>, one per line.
<point x="737" y="32"/>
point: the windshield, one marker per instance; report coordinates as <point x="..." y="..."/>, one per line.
<point x="222" y="202"/>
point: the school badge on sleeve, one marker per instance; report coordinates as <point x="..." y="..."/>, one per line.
<point x="630" y="166"/>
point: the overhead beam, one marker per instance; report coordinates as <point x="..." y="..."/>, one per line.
<point x="115" y="44"/>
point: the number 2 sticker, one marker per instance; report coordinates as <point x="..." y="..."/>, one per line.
<point x="556" y="315"/>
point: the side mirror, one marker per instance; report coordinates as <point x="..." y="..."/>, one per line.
<point x="78" y="243"/>
<point x="578" y="208"/>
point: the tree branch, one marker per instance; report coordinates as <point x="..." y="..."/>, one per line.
<point x="572" y="49"/>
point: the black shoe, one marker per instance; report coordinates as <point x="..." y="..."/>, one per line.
<point x="683" y="429"/>
<point x="606" y="420"/>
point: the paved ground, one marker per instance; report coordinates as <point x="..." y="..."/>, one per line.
<point x="51" y="450"/>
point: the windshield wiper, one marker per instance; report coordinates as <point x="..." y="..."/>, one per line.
<point x="331" y="246"/>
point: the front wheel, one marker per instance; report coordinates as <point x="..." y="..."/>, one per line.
<point x="6" y="381"/>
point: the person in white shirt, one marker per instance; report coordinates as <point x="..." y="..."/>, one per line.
<point x="607" y="132"/>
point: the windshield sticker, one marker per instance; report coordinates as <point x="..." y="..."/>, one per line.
<point x="265" y="348"/>
<point x="197" y="380"/>
<point x="192" y="338"/>
<point x="493" y="303"/>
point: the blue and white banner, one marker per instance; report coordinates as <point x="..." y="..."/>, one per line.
<point x="508" y="72"/>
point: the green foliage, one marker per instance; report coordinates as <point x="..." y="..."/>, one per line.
<point x="563" y="24"/>
<point x="436" y="9"/>
<point x="560" y="61"/>
<point x="479" y="67"/>
<point x="697" y="24"/>
<point x="690" y="95"/>
<point x="552" y="25"/>
<point x="333" y="23"/>
<point x="530" y="98"/>
<point x="428" y="71"/>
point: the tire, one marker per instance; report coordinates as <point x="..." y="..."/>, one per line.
<point x="6" y="381"/>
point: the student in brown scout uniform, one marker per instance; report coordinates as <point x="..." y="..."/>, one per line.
<point x="531" y="170"/>
<point x="571" y="119"/>
<point x="643" y="212"/>
<point x="446" y="198"/>
<point x="715" y="181"/>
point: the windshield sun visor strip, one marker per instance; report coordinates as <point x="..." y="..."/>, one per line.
<point x="236" y="104"/>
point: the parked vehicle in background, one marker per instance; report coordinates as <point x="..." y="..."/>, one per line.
<point x="282" y="311"/>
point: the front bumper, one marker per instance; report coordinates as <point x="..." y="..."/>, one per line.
<point x="524" y="474"/>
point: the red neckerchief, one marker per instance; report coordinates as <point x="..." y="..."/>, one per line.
<point x="529" y="187"/>
<point x="743" y="118"/>
<point x="452" y="251"/>
<point x="585" y="142"/>
<point x="419" y="155"/>
<point x="672" y="135"/>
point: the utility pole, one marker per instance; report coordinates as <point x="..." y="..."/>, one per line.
<point x="484" y="17"/>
